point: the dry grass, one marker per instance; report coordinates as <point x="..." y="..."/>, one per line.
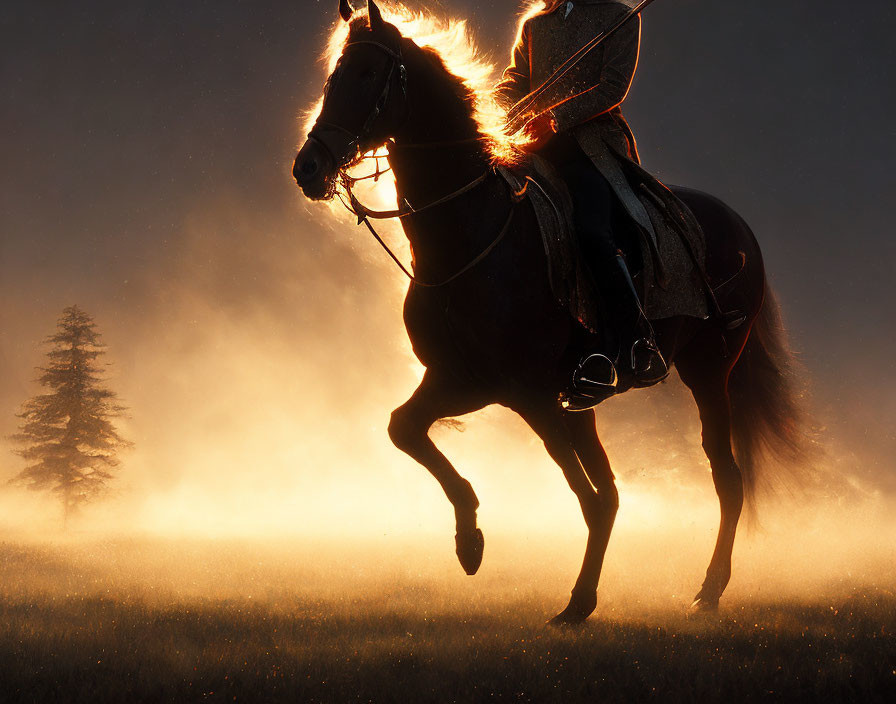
<point x="162" y="620"/>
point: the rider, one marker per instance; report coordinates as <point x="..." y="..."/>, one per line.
<point x="581" y="131"/>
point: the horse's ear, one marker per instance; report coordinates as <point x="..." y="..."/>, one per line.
<point x="374" y="14"/>
<point x="345" y="10"/>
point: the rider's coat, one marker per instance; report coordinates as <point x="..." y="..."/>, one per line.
<point x="586" y="104"/>
<point x="587" y="100"/>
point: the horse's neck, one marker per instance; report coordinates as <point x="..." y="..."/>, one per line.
<point x="424" y="175"/>
<point x="443" y="151"/>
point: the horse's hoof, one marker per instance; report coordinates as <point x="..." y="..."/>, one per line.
<point x="470" y="546"/>
<point x="703" y="607"/>
<point x="565" y="619"/>
<point x="576" y="612"/>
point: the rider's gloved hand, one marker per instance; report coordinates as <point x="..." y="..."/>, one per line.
<point x="539" y="130"/>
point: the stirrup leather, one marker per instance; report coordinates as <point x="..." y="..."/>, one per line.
<point x="649" y="375"/>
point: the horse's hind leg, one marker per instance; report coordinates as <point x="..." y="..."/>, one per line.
<point x="705" y="370"/>
<point x="433" y="400"/>
<point x="571" y="441"/>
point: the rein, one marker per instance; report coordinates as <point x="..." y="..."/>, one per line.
<point x="355" y="206"/>
<point x="429" y="284"/>
<point x="364" y="214"/>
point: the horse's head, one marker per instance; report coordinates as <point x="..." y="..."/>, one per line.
<point x="365" y="100"/>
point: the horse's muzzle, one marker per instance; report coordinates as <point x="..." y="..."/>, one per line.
<point x="313" y="170"/>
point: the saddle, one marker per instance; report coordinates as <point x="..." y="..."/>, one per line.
<point x="569" y="280"/>
<point x="671" y="280"/>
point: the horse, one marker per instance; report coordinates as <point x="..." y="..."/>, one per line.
<point x="483" y="321"/>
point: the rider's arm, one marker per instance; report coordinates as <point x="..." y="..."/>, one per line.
<point x="515" y="83"/>
<point x="620" y="58"/>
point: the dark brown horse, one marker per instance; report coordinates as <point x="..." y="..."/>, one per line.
<point x="495" y="333"/>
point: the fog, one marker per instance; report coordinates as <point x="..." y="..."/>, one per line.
<point x="257" y="338"/>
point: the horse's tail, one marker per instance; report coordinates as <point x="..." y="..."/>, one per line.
<point x="768" y="421"/>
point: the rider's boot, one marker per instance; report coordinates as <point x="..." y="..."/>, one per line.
<point x="596" y="375"/>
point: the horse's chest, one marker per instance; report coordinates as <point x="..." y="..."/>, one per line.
<point x="446" y="331"/>
<point x="482" y="332"/>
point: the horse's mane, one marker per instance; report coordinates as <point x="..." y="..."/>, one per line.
<point x="449" y="41"/>
<point x="452" y="83"/>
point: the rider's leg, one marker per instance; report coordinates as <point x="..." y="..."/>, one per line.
<point x="604" y="241"/>
<point x="595" y="209"/>
<point x="645" y="358"/>
<point x="593" y="217"/>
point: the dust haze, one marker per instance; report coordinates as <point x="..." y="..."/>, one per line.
<point x="258" y="342"/>
<point x="260" y="362"/>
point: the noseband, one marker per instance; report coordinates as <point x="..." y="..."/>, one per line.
<point x="396" y="64"/>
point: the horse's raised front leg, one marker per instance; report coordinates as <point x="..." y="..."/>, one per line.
<point x="433" y="400"/>
<point x="571" y="441"/>
<point x="707" y="379"/>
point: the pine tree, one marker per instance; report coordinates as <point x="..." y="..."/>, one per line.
<point x="67" y="435"/>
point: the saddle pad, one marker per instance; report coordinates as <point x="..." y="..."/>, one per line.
<point x="669" y="284"/>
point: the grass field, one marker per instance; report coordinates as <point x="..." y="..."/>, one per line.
<point x="139" y="619"/>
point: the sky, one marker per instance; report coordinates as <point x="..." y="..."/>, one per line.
<point x="257" y="340"/>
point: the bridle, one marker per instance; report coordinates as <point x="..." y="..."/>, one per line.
<point x="396" y="65"/>
<point x="364" y="214"/>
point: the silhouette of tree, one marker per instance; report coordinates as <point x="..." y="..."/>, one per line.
<point x="67" y="435"/>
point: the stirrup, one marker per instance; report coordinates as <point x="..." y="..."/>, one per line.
<point x="594" y="380"/>
<point x="574" y="402"/>
<point x="656" y="370"/>
<point x="601" y="378"/>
